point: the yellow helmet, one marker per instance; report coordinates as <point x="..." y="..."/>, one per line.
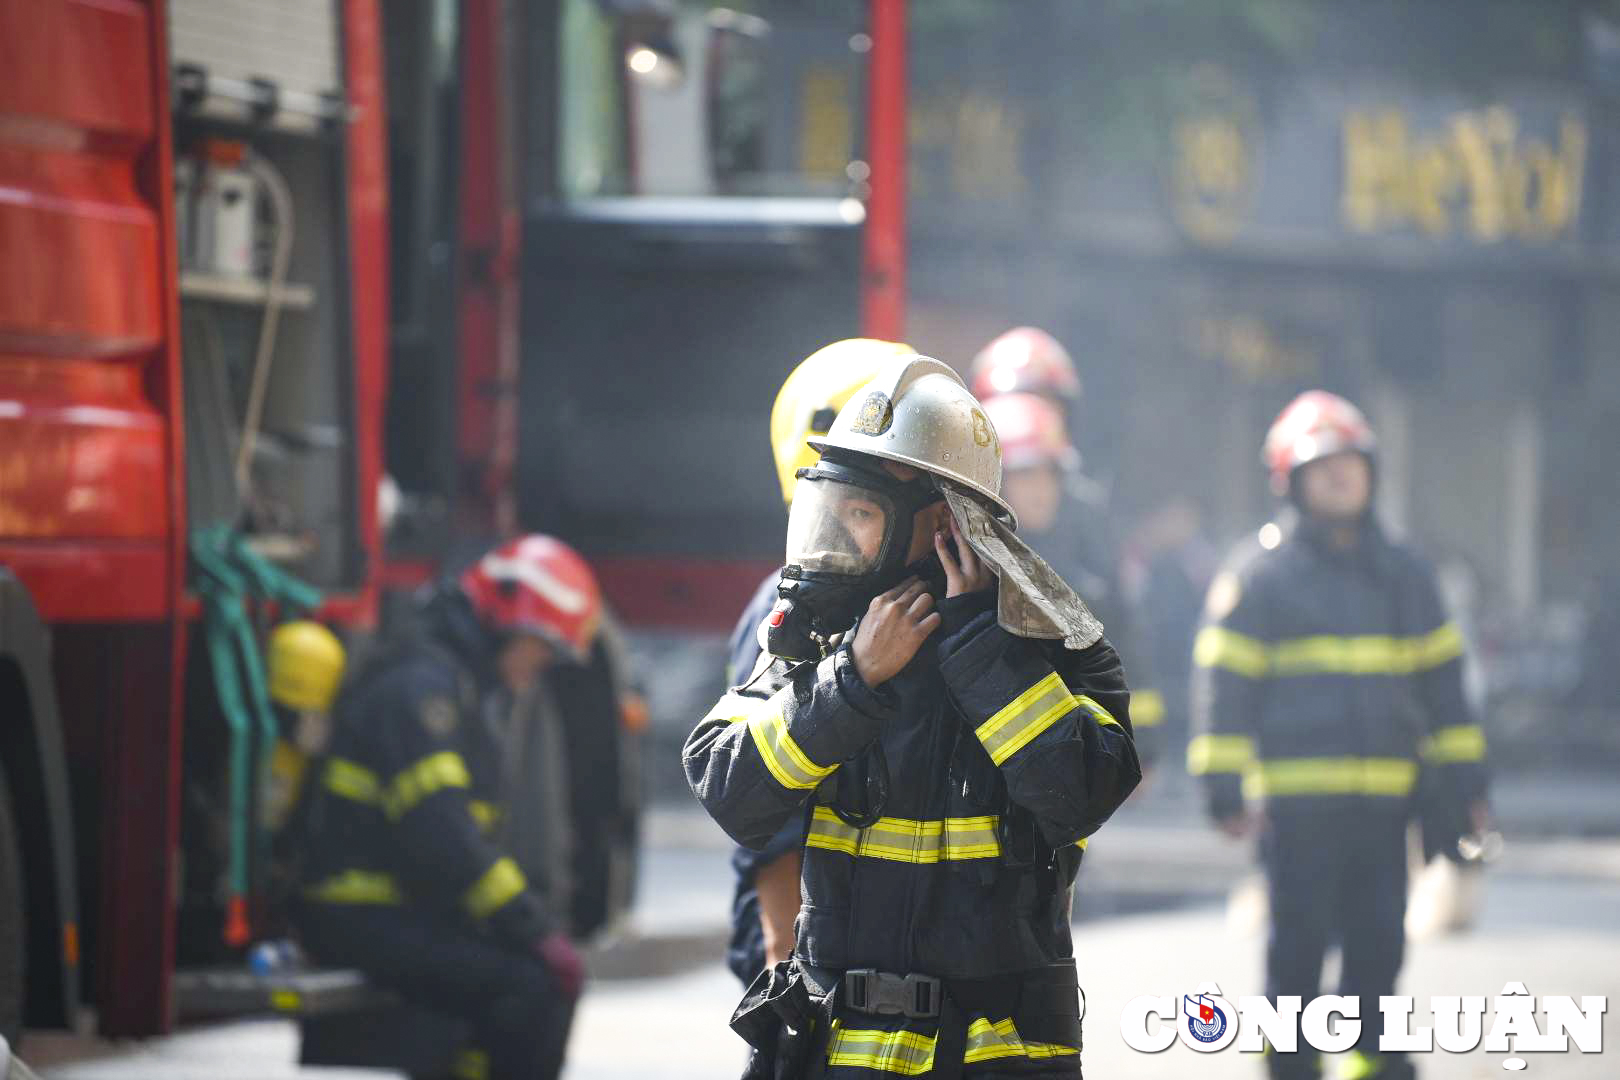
<point x="813" y="394"/>
<point x="306" y="665"/>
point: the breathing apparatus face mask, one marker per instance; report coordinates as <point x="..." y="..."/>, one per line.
<point x="849" y="531"/>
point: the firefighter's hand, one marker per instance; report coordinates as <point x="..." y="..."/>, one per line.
<point x="563" y="960"/>
<point x="964" y="571"/>
<point x="893" y="629"/>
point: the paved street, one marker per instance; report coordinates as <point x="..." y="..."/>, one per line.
<point x="1152" y="920"/>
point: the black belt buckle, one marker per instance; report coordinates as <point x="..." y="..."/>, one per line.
<point x="916" y="997"/>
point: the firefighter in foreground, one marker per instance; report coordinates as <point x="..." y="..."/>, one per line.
<point x="1029" y="386"/>
<point x="1327" y="681"/>
<point x="947" y="771"/>
<point x="410" y="872"/>
<point x="765" y="902"/>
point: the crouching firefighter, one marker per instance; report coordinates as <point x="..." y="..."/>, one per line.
<point x="947" y="770"/>
<point x="420" y="825"/>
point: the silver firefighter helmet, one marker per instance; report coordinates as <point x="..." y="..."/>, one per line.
<point x="918" y="412"/>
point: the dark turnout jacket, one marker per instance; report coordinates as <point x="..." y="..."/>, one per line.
<point x="1324" y="677"/>
<point x="945" y="813"/>
<point x="408" y="804"/>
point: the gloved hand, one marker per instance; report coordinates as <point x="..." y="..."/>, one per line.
<point x="559" y="955"/>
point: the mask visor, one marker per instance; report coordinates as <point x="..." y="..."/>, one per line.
<point x="836" y="527"/>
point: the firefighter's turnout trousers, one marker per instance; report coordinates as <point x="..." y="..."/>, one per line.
<point x="1334" y="882"/>
<point x="517" y="1016"/>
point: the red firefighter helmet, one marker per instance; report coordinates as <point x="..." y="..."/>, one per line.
<point x="537" y="585"/>
<point x="1314" y="425"/>
<point x="1032" y="432"/>
<point x="1027" y="360"/>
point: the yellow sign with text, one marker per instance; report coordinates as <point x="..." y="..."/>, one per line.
<point x="1478" y="177"/>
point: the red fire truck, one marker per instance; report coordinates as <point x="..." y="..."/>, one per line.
<point x="260" y="263"/>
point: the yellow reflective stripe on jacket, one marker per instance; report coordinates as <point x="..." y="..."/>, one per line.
<point x="353" y="782"/>
<point x="487" y="814"/>
<point x="1368" y="654"/>
<point x="1332" y="776"/>
<point x="905" y="840"/>
<point x="903" y="1052"/>
<point x="1218" y="647"/>
<point x="783" y="757"/>
<point x="1025" y="717"/>
<point x="1147" y="708"/>
<point x="417" y="781"/>
<point x="470" y="1064"/>
<point x="356" y="887"/>
<point x="1208" y="754"/>
<point x="1098" y="713"/>
<point x="494" y="889"/>
<point x="907" y="1053"/>
<point x="1326" y="654"/>
<point x="1438" y="647"/>
<point x="987" y="1041"/>
<point x="1453" y="745"/>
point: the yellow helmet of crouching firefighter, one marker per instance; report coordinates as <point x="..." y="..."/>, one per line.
<point x="306" y="663"/>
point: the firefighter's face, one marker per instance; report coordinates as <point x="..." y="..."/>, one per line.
<point x="865" y="520"/>
<point x="521" y="662"/>
<point x="1337" y="487"/>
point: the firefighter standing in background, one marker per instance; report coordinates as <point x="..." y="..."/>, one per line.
<point x="1325" y="675"/>
<point x="946" y="770"/>
<point x="1068" y="521"/>
<point x="766" y="899"/>
<point x="412" y="866"/>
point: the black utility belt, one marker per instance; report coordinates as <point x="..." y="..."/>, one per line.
<point x="1046" y="990"/>
<point x="879" y="993"/>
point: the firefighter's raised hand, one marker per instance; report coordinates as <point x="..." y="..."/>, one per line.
<point x="965" y="572"/>
<point x="892" y="630"/>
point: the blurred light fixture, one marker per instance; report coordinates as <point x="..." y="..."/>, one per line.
<point x="655" y="62"/>
<point x="643" y="61"/>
